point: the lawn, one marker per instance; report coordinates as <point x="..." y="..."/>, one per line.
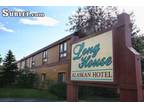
<point x="27" y="93"/>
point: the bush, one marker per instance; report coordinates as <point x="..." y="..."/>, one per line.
<point x="44" y="84"/>
<point x="25" y="79"/>
<point x="59" y="89"/>
<point x="97" y="91"/>
<point x="2" y="83"/>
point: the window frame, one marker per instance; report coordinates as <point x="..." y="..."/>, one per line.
<point x="43" y="76"/>
<point x="63" y="47"/>
<point x="45" y="56"/>
<point x="61" y="77"/>
<point x="32" y="63"/>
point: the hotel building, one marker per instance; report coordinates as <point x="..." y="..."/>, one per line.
<point x="51" y="62"/>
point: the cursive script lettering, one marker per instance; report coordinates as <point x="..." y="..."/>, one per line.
<point x="88" y="56"/>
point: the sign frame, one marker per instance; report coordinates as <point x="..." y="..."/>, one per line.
<point x="92" y="36"/>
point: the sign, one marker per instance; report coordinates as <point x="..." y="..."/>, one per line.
<point x="92" y="59"/>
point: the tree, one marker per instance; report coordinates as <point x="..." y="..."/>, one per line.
<point x="0" y="59"/>
<point x="91" y="19"/>
<point x="1" y="71"/>
<point x="26" y="78"/>
<point x="9" y="68"/>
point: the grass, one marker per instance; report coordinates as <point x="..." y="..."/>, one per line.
<point x="26" y="93"/>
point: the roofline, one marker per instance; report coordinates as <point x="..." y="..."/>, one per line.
<point x="47" y="47"/>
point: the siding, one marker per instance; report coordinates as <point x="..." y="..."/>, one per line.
<point x="23" y="65"/>
<point x="53" y="58"/>
<point x="38" y="59"/>
<point x="52" y="72"/>
<point x="53" y="54"/>
<point x="68" y="49"/>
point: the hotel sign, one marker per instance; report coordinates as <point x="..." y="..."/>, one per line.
<point x="92" y="59"/>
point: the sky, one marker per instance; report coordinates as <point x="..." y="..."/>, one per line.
<point x="25" y="35"/>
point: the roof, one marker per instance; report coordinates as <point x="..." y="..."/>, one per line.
<point x="47" y="47"/>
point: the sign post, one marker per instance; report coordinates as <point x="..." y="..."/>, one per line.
<point x="106" y="59"/>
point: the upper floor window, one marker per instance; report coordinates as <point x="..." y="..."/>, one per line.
<point x="33" y="62"/>
<point x="63" y="50"/>
<point x="44" y="56"/>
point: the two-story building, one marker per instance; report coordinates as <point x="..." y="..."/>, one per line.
<point x="50" y="62"/>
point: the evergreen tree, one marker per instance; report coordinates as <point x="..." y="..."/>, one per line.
<point x="0" y="71"/>
<point x="9" y="68"/>
<point x="0" y="59"/>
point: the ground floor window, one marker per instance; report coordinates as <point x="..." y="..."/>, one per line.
<point x="61" y="77"/>
<point x="43" y="76"/>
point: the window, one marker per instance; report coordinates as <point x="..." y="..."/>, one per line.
<point x="43" y="76"/>
<point x="61" y="77"/>
<point x="44" y="56"/>
<point x="63" y="50"/>
<point x="33" y="62"/>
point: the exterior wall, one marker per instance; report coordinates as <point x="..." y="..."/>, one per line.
<point x="23" y="65"/>
<point x="52" y="67"/>
<point x="28" y="62"/>
<point x="68" y="49"/>
<point x="52" y="72"/>
<point x="38" y="59"/>
<point x="18" y="65"/>
<point x="53" y="54"/>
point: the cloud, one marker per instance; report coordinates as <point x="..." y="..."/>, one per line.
<point x="18" y="9"/>
<point x="3" y="28"/>
<point x="42" y="21"/>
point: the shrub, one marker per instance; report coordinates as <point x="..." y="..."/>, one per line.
<point x="25" y="79"/>
<point x="59" y="89"/>
<point x="97" y="91"/>
<point x="43" y="84"/>
<point x="2" y="83"/>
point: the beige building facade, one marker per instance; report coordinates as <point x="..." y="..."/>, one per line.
<point x="50" y="62"/>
